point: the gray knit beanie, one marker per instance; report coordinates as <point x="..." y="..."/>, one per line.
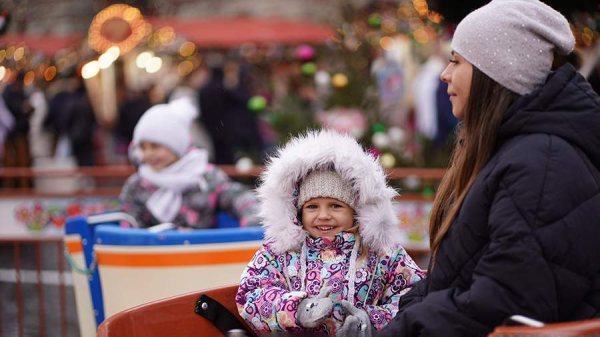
<point x="513" y="41"/>
<point x="325" y="184"/>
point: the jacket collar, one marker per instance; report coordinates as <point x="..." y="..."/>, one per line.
<point x="343" y="241"/>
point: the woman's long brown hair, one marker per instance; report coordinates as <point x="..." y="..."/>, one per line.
<point x="475" y="145"/>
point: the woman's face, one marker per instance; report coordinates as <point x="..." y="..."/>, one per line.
<point x="326" y="217"/>
<point x="157" y="156"/>
<point x="458" y="75"/>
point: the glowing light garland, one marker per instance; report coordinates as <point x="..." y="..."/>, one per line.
<point x="130" y="15"/>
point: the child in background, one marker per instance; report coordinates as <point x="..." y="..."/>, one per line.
<point x="176" y="184"/>
<point x="331" y="262"/>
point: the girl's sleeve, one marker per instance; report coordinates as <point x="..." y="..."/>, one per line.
<point x="234" y="197"/>
<point x="402" y="274"/>
<point x="132" y="205"/>
<point x="264" y="299"/>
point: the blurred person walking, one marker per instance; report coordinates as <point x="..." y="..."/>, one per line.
<point x="81" y="125"/>
<point x="7" y="122"/>
<point x="16" y="143"/>
<point x="224" y="106"/>
<point x="216" y="115"/>
<point x="40" y="139"/>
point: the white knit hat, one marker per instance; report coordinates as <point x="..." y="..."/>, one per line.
<point x="325" y="184"/>
<point x="513" y="42"/>
<point x="168" y="125"/>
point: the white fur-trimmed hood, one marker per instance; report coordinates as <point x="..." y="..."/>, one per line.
<point x="317" y="150"/>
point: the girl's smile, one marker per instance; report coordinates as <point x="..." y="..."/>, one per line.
<point x="326" y="217"/>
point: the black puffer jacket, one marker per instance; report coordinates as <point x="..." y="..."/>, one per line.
<point x="527" y="238"/>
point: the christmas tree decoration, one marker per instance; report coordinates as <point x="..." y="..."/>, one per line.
<point x="396" y="134"/>
<point x="344" y="120"/>
<point x="244" y="165"/>
<point x="304" y="53"/>
<point x="378" y="127"/>
<point x="390" y="77"/>
<point x="387" y="160"/>
<point x="339" y="80"/>
<point x="309" y="68"/>
<point x="380" y="140"/>
<point x="351" y="43"/>
<point x="375" y="20"/>
<point x="257" y="103"/>
<point x="389" y="26"/>
<point x="428" y="193"/>
<point x="291" y="117"/>
<point x="322" y="78"/>
<point x="272" y="119"/>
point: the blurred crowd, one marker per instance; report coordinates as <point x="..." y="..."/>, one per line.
<point x="55" y="125"/>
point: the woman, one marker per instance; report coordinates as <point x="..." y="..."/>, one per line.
<point x="515" y="227"/>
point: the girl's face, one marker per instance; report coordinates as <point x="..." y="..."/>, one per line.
<point x="458" y="75"/>
<point x="157" y="156"/>
<point x="325" y="217"/>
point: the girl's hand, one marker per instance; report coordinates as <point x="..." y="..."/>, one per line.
<point x="357" y="322"/>
<point x="313" y="311"/>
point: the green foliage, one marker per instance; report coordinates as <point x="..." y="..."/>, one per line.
<point x="291" y="117"/>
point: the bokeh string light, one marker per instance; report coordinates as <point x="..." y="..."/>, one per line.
<point x="124" y="27"/>
<point x="117" y="25"/>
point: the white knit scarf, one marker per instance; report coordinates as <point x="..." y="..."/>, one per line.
<point x="172" y="181"/>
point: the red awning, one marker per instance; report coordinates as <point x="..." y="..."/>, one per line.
<point x="48" y="44"/>
<point x="232" y="32"/>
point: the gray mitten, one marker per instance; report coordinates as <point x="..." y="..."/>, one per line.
<point x="313" y="311"/>
<point x="357" y="322"/>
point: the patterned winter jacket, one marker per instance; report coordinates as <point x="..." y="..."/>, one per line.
<point x="200" y="204"/>
<point x="271" y="285"/>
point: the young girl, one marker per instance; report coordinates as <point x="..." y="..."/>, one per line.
<point x="331" y="258"/>
<point x="175" y="184"/>
<point x="515" y="227"/>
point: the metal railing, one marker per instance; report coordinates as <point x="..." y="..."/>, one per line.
<point x="109" y="179"/>
<point x="22" y="276"/>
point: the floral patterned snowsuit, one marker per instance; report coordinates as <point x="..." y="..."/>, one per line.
<point x="271" y="285"/>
